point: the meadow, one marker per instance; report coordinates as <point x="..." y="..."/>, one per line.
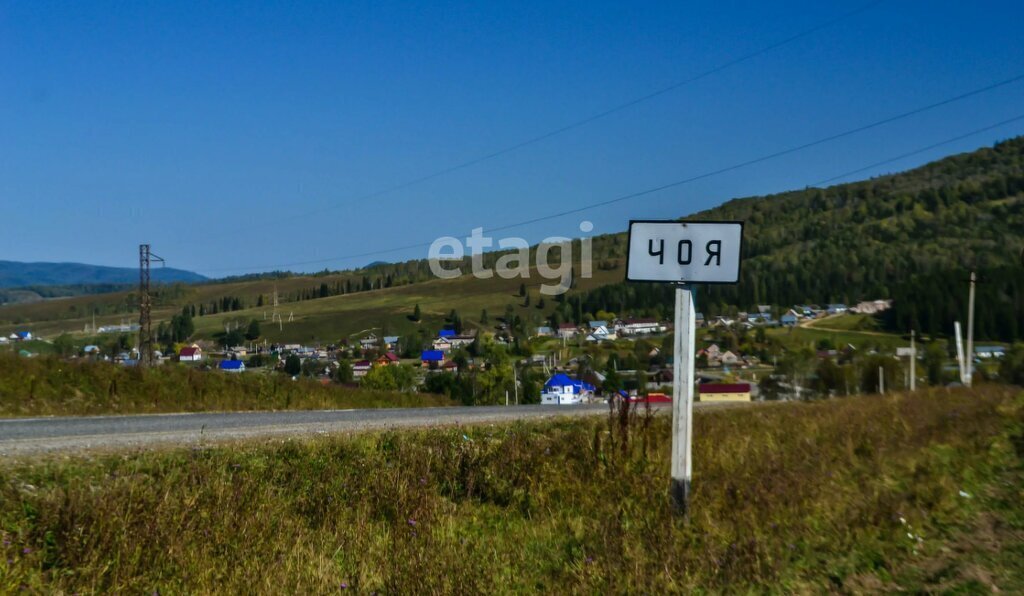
<point x="49" y="386"/>
<point x="918" y="492"/>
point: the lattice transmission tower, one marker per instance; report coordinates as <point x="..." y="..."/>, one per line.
<point x="146" y="257"/>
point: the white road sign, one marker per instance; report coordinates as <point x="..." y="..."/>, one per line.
<point x="687" y="251"/>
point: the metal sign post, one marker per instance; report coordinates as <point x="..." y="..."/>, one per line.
<point x="683" y="253"/>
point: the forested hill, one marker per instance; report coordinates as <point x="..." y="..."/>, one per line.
<point x="913" y="237"/>
<point x="15" y="274"/>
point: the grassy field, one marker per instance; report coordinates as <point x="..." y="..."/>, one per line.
<point x="913" y="492"/>
<point x="46" y="386"/>
<point x="794" y="337"/>
<point x="847" y="322"/>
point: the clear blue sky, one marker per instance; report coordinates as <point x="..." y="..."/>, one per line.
<point x="242" y="136"/>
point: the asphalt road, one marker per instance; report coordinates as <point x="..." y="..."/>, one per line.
<point x="20" y="436"/>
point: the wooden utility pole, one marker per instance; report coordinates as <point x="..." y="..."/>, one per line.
<point x="682" y="398"/>
<point x="913" y="362"/>
<point x="969" y="356"/>
<point x="881" y="380"/>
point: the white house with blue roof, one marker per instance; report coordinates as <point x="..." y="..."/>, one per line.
<point x="563" y="390"/>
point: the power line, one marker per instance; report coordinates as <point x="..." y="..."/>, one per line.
<point x="921" y="150"/>
<point x="597" y="116"/>
<point x="691" y="179"/>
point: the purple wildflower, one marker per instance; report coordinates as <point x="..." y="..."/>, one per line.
<point x="26" y="550"/>
<point x="412" y="522"/>
<point x="344" y="586"/>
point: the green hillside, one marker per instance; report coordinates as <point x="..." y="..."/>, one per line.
<point x="912" y="236"/>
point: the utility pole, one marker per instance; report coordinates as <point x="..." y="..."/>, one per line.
<point x="276" y="316"/>
<point x="146" y="257"/>
<point x="969" y="360"/>
<point x="913" y="362"/>
<point x="960" y="352"/>
<point x="881" y="380"/>
<point x="515" y="381"/>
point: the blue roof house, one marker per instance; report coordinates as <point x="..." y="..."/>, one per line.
<point x="446" y="333"/>
<point x="235" y="366"/>
<point x="432" y="358"/>
<point x="561" y="389"/>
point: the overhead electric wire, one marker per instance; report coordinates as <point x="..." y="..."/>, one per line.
<point x="619" y="199"/>
<point x="921" y="150"/>
<point x="597" y="116"/>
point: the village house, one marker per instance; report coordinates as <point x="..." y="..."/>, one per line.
<point x="543" y="331"/>
<point x="723" y="392"/>
<point x="600" y="334"/>
<point x="836" y="309"/>
<point x="387" y="359"/>
<point x="567" y="330"/>
<point x="190" y="354"/>
<point x="722" y="322"/>
<point x="871" y="307"/>
<point x="458" y="341"/>
<point x="789" y="319"/>
<point x="561" y="389"/>
<point x="368" y="342"/>
<point x="713" y="354"/>
<point x="987" y="352"/>
<point x="360" y="368"/>
<point x="390" y="342"/>
<point x="432" y="358"/>
<point x="232" y="366"/>
<point x="442" y="344"/>
<point x="728" y="358"/>
<point x="639" y="327"/>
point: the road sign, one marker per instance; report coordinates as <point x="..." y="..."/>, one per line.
<point x="684" y="251"/>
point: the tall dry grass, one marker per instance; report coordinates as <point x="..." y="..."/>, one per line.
<point x="50" y="386"/>
<point x="800" y="497"/>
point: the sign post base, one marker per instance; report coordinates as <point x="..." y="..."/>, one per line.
<point x="680" y="493"/>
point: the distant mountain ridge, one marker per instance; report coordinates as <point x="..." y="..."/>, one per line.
<point x="15" y="274"/>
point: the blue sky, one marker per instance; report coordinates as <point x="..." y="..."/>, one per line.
<point x="243" y="137"/>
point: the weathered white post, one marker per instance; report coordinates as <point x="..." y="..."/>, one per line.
<point x="683" y="253"/>
<point x="682" y="398"/>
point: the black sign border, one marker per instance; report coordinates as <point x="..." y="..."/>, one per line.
<point x="629" y="243"/>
